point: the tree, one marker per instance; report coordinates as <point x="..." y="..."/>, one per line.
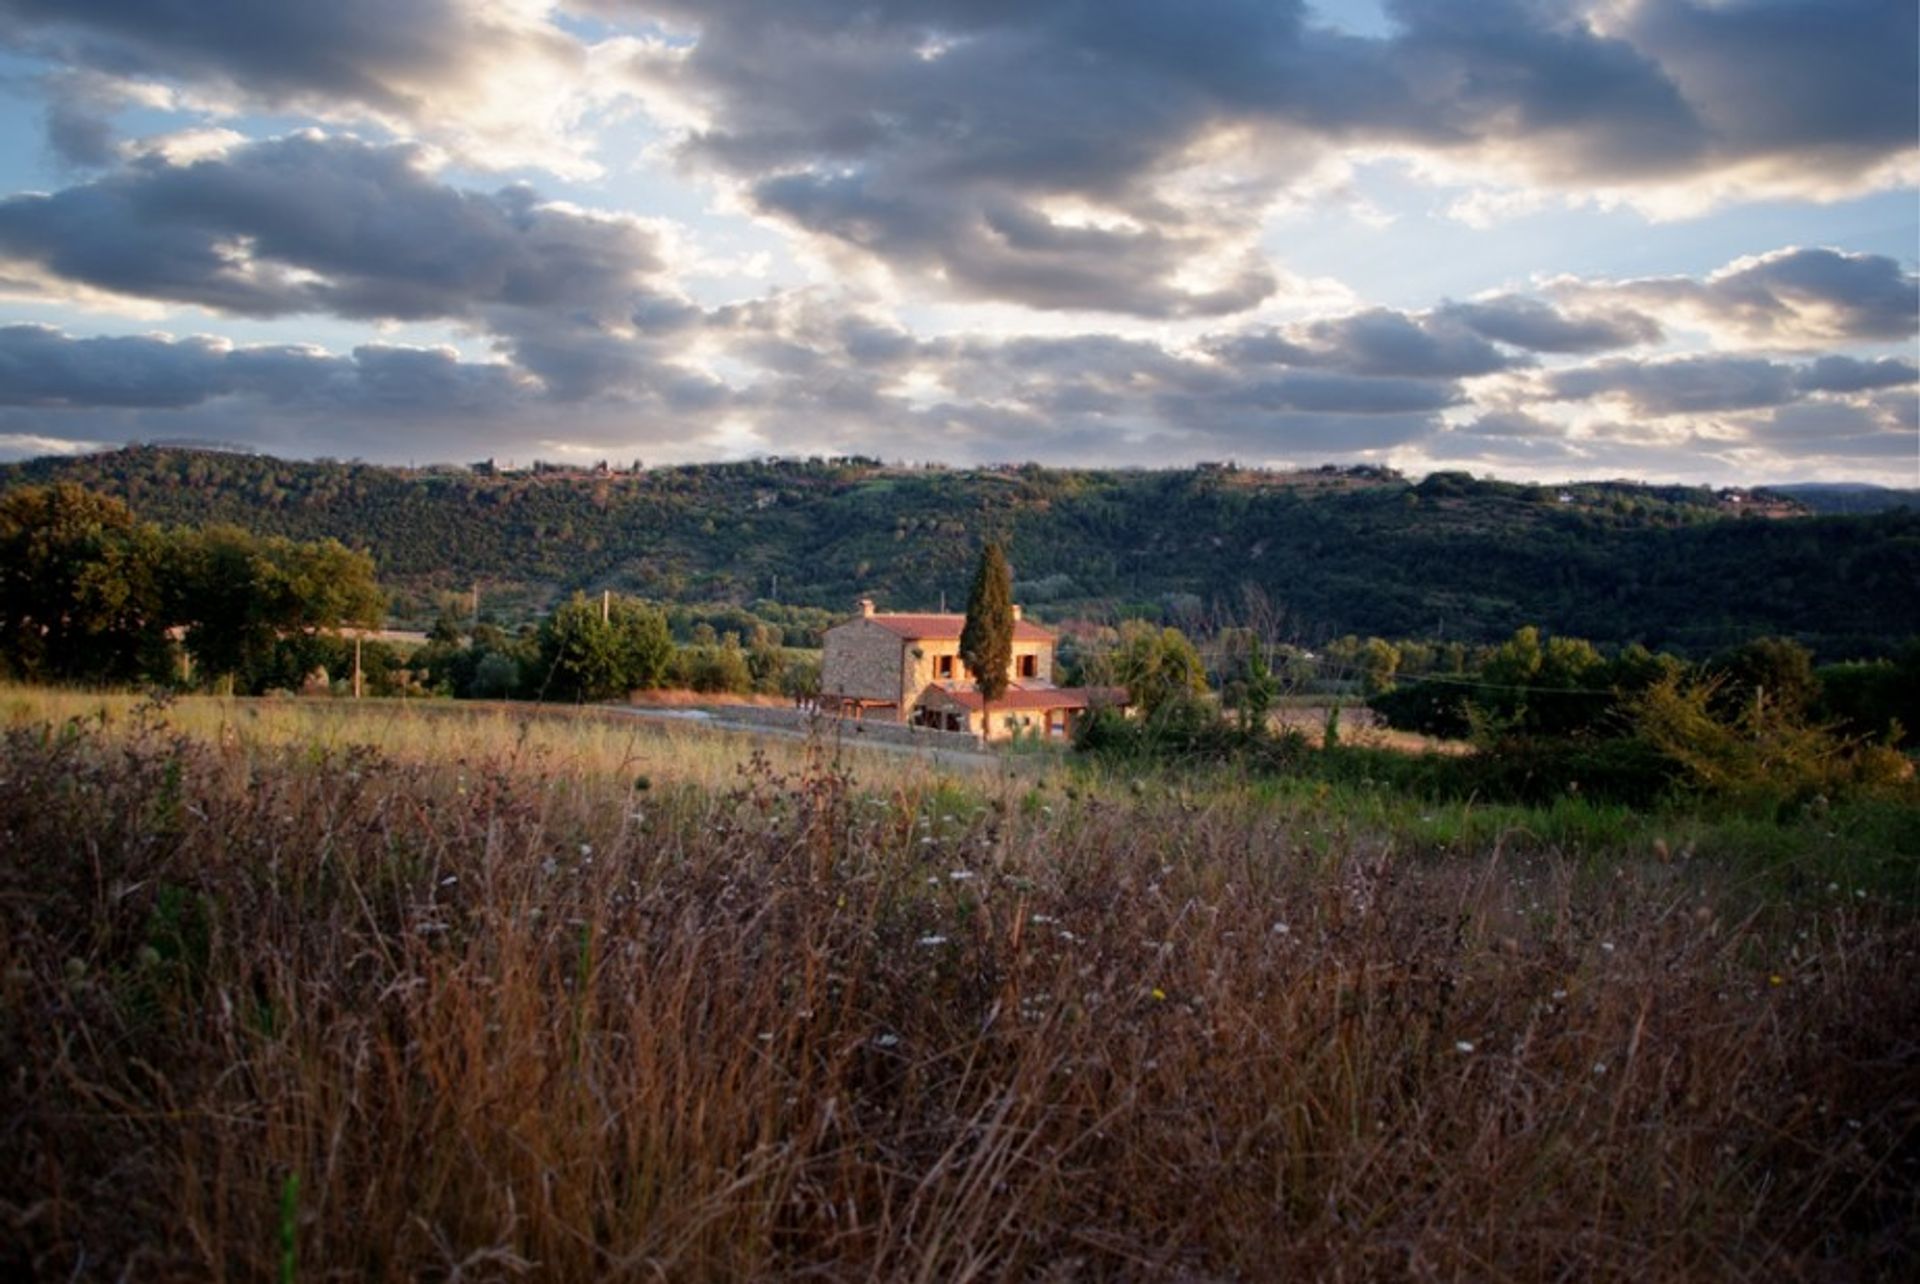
<point x="586" y="657"/>
<point x="1256" y="698"/>
<point x="240" y="594"/>
<point x="986" y="640"/>
<point x="78" y="590"/>
<point x="1160" y="668"/>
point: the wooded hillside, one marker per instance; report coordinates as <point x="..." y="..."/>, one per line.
<point x="1332" y="551"/>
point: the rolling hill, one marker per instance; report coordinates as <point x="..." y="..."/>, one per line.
<point x="1331" y="551"/>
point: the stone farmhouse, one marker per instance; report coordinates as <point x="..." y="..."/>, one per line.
<point x="906" y="668"/>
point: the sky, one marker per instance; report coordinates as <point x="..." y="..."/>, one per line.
<point x="1673" y="240"/>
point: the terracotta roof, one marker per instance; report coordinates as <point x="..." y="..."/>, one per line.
<point x="1019" y="698"/>
<point x="946" y="628"/>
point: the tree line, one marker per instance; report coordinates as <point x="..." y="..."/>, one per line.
<point x="88" y="593"/>
<point x="1450" y="557"/>
<point x="1545" y="716"/>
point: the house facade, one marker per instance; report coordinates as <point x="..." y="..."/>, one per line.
<point x="907" y="668"/>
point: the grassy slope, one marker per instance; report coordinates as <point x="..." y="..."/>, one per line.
<point x="1469" y="560"/>
<point x="497" y="1007"/>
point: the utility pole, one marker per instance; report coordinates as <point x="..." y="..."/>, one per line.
<point x="476" y="603"/>
<point x="606" y="605"/>
<point x="356" y="665"/>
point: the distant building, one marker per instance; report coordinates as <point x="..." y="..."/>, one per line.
<point x="907" y="668"/>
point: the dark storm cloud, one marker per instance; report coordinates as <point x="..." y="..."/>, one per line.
<point x="1791" y="296"/>
<point x="1539" y="327"/>
<point x="941" y="136"/>
<point x="1690" y="385"/>
<point x="316" y="224"/>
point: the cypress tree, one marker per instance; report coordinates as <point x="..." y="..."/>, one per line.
<point x="986" y="641"/>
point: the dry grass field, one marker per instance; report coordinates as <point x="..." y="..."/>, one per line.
<point x="315" y="991"/>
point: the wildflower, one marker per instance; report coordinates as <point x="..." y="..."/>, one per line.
<point x="586" y="851"/>
<point x="928" y="942"/>
<point x="1281" y="929"/>
<point x="960" y="875"/>
<point x="1159" y="995"/>
<point x="1607" y="946"/>
<point x="1463" y="1046"/>
<point x="1776" y="979"/>
<point x="1599" y="1067"/>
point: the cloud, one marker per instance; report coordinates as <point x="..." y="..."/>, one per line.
<point x="813" y="370"/>
<point x="316" y="224"/>
<point x="1699" y="384"/>
<point x="1067" y="155"/>
<point x="1790" y="298"/>
<point x="1539" y="327"/>
<point x="1375" y="342"/>
<point x="380" y="400"/>
<point x="39" y="366"/>
<point x="494" y="80"/>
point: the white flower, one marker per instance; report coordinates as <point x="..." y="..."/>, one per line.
<point x="1463" y="1046"/>
<point x="930" y="941"/>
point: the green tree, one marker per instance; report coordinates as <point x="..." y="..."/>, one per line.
<point x="78" y="590"/>
<point x="986" y="640"/>
<point x="1776" y="672"/>
<point x="239" y="595"/>
<point x="1159" y="667"/>
<point x="1379" y="662"/>
<point x="584" y="656"/>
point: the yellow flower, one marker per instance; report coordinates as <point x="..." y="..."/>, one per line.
<point x="1159" y="994"/>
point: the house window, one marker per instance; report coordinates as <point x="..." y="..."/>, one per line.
<point x="943" y="666"/>
<point x="1029" y="666"/>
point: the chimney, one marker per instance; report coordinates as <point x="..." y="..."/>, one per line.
<point x="866" y="606"/>
<point x="1016" y="613"/>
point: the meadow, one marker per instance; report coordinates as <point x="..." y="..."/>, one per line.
<point x="321" y="989"/>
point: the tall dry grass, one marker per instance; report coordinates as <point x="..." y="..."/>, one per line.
<point x="279" y="1009"/>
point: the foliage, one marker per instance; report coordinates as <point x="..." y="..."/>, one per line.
<point x="1157" y="666"/>
<point x="716" y="669"/>
<point x="1766" y="754"/>
<point x="986" y="640"/>
<point x="80" y="585"/>
<point x="1878" y="700"/>
<point x="587" y="653"/>
<point x="238" y="594"/>
<point x="89" y="593"/>
<point x="1331" y="553"/>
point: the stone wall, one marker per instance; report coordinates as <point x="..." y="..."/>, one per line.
<point x="865" y="661"/>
